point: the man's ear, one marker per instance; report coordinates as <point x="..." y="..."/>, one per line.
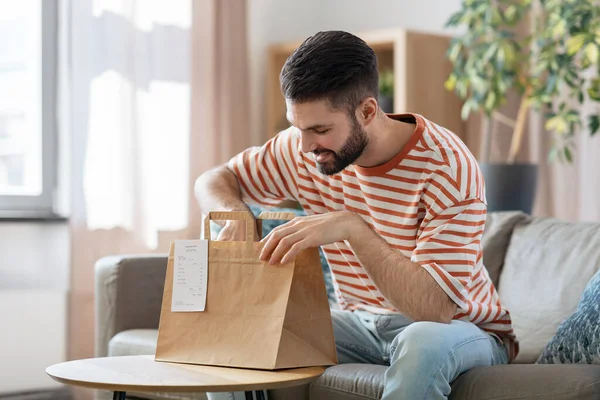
<point x="367" y="111"/>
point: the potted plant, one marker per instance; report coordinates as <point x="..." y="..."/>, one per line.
<point x="386" y="90"/>
<point x="551" y="65"/>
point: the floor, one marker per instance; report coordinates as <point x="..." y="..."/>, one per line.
<point x="56" y="394"/>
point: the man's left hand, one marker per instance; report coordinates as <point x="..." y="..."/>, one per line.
<point x="284" y="243"/>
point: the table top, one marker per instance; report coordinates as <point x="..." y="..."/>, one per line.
<point x="143" y="374"/>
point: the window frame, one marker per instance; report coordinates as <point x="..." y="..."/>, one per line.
<point x="42" y="206"/>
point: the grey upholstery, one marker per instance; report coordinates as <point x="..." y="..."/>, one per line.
<point x="361" y="381"/>
<point x="496" y="238"/>
<point x="548" y="265"/>
<point x="128" y="295"/>
<point x="529" y="381"/>
<point x="540" y="267"/>
<point x="133" y="342"/>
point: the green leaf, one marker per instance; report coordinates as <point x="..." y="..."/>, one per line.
<point x="461" y="88"/>
<point x="450" y="83"/>
<point x="572" y="117"/>
<point x="490" y="101"/>
<point x="591" y="52"/>
<point x="455" y="19"/>
<point x="466" y="110"/>
<point x="568" y="154"/>
<point x="557" y="124"/>
<point x="574" y="43"/>
<point x="594" y="93"/>
<point x="594" y="124"/>
<point x="551" y="84"/>
<point x="509" y="54"/>
<point x="510" y="13"/>
<point x="560" y="28"/>
<point x="454" y="52"/>
<point x="489" y="53"/>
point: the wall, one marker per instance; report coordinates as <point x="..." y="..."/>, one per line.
<point x="34" y="266"/>
<point x="272" y="21"/>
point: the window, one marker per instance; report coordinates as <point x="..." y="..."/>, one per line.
<point x="27" y="107"/>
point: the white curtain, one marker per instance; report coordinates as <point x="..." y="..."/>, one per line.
<point x="129" y="71"/>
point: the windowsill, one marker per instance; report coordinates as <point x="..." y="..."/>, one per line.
<point x="30" y="216"/>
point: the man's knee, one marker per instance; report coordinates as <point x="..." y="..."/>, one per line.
<point x="427" y="343"/>
<point x="423" y="342"/>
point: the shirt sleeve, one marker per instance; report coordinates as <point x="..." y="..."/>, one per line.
<point x="449" y="247"/>
<point x="268" y="174"/>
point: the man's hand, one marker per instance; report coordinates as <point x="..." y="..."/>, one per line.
<point x="284" y="243"/>
<point x="235" y="231"/>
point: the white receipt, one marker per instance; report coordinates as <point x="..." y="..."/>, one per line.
<point x="190" y="275"/>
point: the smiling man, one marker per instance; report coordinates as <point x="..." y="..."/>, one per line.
<point x="397" y="204"/>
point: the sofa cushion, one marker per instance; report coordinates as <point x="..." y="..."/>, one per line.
<point x="528" y="382"/>
<point x="577" y="340"/>
<point x="547" y="266"/>
<point x="133" y="342"/>
<point x="523" y="382"/>
<point x="496" y="237"/>
<point x="349" y="381"/>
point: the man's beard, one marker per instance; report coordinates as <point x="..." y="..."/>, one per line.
<point x="350" y="151"/>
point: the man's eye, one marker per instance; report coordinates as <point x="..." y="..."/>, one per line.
<point x="321" y="132"/>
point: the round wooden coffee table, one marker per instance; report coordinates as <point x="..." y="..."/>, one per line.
<point x="143" y="374"/>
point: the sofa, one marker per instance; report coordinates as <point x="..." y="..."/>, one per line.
<point x="540" y="266"/>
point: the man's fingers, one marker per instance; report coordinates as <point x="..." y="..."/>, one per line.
<point x="278" y="229"/>
<point x="272" y="240"/>
<point x="284" y="246"/>
<point x="294" y="250"/>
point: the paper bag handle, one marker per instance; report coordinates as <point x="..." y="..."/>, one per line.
<point x="231" y="216"/>
<point x="278" y="215"/>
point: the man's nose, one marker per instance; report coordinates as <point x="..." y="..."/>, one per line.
<point x="307" y="143"/>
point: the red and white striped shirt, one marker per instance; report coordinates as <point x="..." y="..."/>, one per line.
<point x="428" y="203"/>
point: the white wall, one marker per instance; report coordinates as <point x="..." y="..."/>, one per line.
<point x="34" y="284"/>
<point x="272" y="21"/>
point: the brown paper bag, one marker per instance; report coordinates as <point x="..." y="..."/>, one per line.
<point x="257" y="315"/>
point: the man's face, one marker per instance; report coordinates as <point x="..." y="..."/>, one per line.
<point x="335" y="138"/>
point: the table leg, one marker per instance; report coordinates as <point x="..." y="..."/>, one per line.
<point x="119" y="396"/>
<point x="255" y="395"/>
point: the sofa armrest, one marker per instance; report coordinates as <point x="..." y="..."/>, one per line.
<point x="129" y="290"/>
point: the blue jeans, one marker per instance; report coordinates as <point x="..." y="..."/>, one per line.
<point x="423" y="357"/>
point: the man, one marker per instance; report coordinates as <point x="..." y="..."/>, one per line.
<point x="396" y="202"/>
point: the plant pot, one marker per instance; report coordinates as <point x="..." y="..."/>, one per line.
<point x="386" y="103"/>
<point x="509" y="187"/>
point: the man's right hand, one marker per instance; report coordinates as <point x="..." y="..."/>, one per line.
<point x="235" y="231"/>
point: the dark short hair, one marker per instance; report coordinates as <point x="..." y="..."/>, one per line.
<point x="333" y="65"/>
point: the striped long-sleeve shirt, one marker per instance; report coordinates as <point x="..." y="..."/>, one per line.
<point x="428" y="203"/>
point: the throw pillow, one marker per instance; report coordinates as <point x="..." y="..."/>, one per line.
<point x="577" y="340"/>
<point x="269" y="225"/>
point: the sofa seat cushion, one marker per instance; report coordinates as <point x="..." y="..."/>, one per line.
<point x="133" y="342"/>
<point x="515" y="381"/>
<point x="529" y="382"/>
<point x="349" y="381"/>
